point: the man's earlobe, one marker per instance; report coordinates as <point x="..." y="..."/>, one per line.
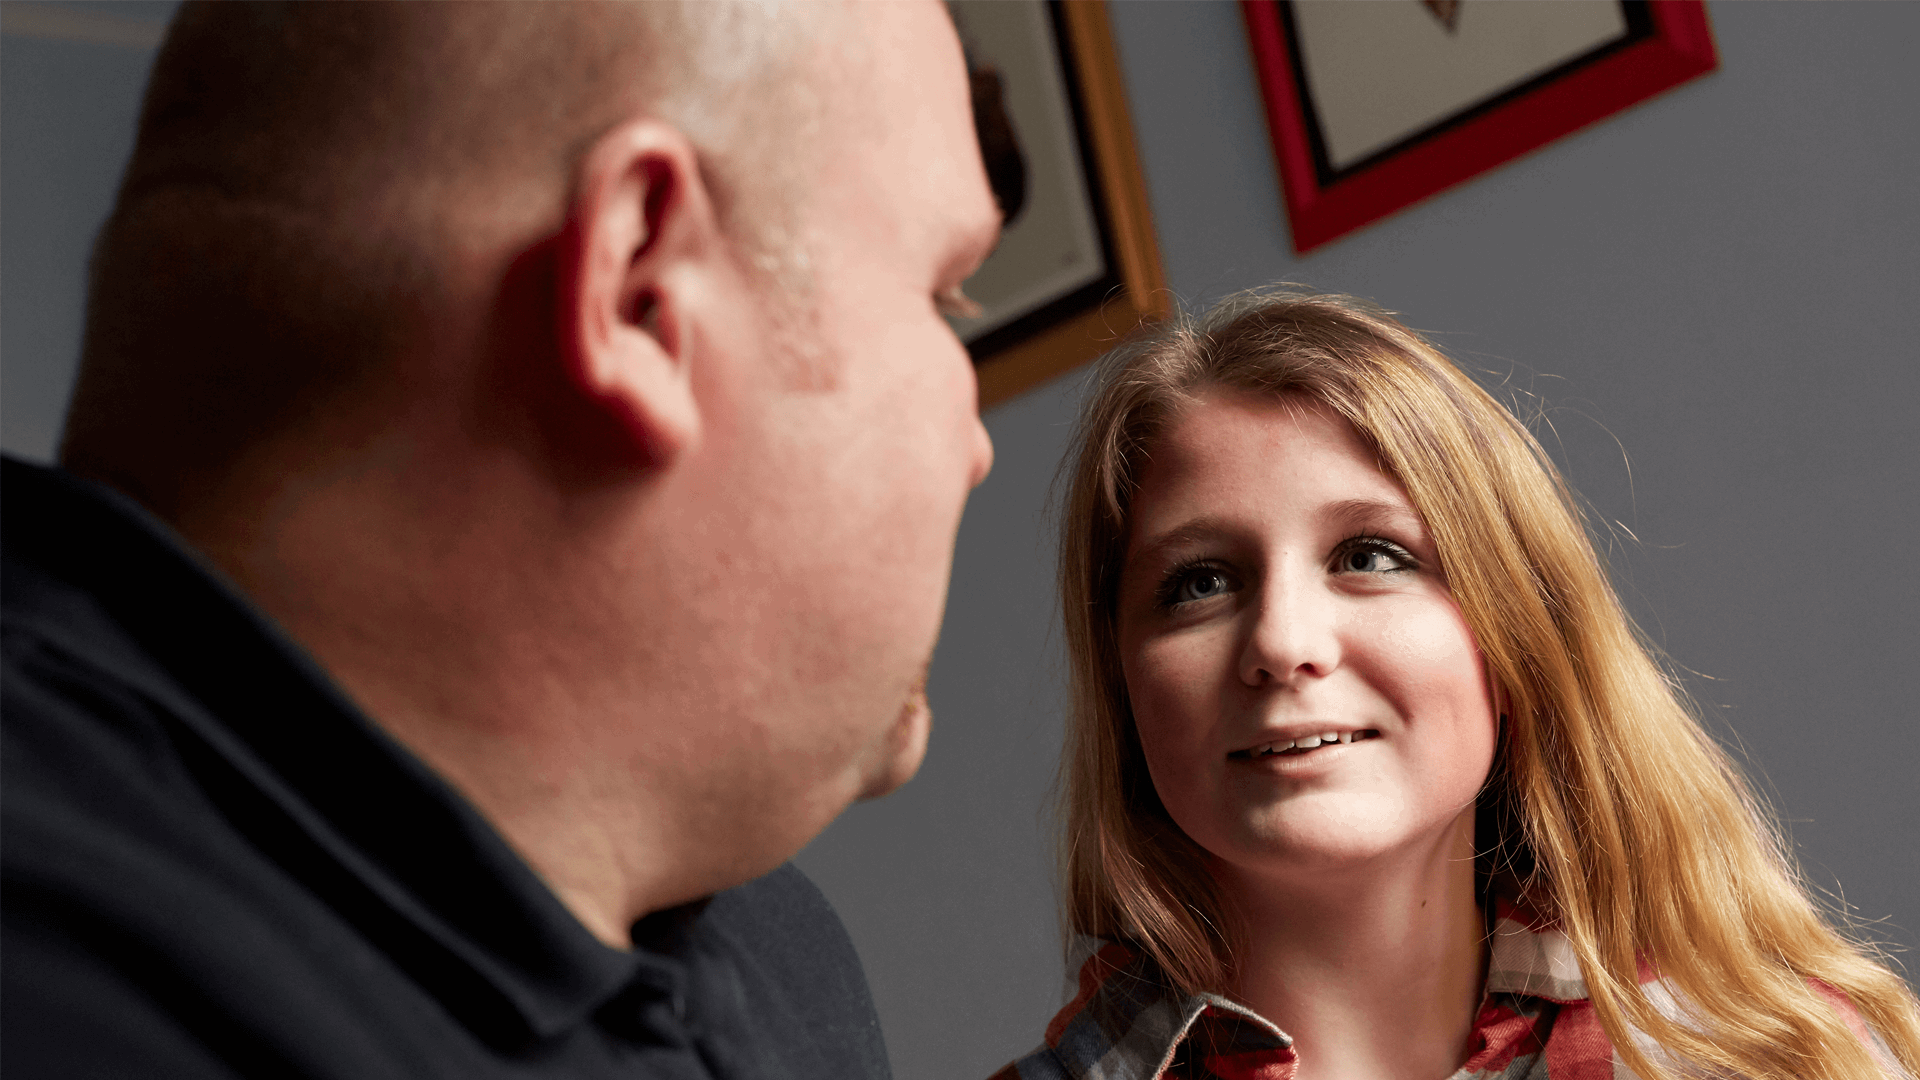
<point x="638" y="228"/>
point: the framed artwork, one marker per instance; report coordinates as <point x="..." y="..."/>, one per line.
<point x="1077" y="267"/>
<point x="1375" y="106"/>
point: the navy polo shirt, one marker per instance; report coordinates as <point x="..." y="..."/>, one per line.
<point x="214" y="866"/>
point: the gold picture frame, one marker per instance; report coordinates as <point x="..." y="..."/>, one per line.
<point x="1051" y="320"/>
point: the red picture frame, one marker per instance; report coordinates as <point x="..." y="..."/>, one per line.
<point x="1676" y="46"/>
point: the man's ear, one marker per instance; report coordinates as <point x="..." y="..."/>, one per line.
<point x="639" y="228"/>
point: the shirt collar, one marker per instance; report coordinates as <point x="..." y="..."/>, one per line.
<point x="1124" y="1021"/>
<point x="1530" y="956"/>
<point x="373" y="828"/>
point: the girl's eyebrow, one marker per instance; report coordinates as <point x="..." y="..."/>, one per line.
<point x="1359" y="513"/>
<point x="1347" y="514"/>
<point x="1194" y="530"/>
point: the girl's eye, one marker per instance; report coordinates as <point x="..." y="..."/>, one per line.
<point x="1193" y="583"/>
<point x="1372" y="555"/>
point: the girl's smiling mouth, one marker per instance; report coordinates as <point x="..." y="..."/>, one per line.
<point x="1303" y="744"/>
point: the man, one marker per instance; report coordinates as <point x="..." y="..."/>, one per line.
<point x="532" y="452"/>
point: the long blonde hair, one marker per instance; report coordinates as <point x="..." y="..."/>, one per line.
<point x="1638" y="852"/>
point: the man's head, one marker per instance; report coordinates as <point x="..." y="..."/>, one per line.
<point x="571" y="380"/>
<point x="311" y="182"/>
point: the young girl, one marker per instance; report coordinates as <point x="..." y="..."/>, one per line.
<point x="1369" y="775"/>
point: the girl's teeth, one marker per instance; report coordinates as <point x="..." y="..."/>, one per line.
<point x="1308" y="742"/>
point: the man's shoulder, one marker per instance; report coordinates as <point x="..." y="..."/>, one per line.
<point x="132" y="912"/>
<point x="130" y="915"/>
<point x="83" y="704"/>
<point x="75" y="560"/>
<point x="777" y="908"/>
<point x="800" y="974"/>
<point x="154" y="922"/>
<point x="86" y="755"/>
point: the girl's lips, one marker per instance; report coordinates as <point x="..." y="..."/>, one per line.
<point x="1304" y="744"/>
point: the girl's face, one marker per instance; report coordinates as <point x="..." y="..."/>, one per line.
<point x="1306" y="691"/>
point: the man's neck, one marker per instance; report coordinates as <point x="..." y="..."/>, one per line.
<point x="466" y="667"/>
<point x="1376" y="972"/>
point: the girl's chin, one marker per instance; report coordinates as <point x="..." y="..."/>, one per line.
<point x="1286" y="848"/>
<point x="1289" y="860"/>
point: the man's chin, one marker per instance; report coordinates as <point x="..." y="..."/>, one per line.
<point x="903" y="748"/>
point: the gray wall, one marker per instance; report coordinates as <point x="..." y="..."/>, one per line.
<point x="1712" y="296"/>
<point x="70" y="81"/>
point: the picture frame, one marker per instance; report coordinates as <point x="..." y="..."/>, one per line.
<point x="1350" y="152"/>
<point x="1078" y="266"/>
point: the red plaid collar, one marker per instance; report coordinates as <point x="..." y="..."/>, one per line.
<point x="1125" y="1022"/>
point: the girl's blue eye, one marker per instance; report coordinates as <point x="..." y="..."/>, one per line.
<point x="1191" y="583"/>
<point x="1202" y="584"/>
<point x="1373" y="556"/>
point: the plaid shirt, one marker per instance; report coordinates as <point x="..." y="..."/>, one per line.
<point x="1535" y="1022"/>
